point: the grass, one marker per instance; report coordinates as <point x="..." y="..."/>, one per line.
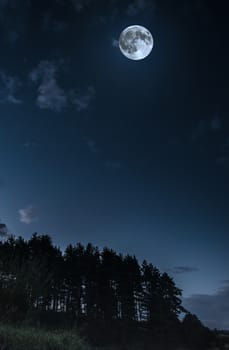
<point x="28" y="338"/>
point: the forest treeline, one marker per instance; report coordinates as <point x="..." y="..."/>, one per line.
<point x="101" y="292"/>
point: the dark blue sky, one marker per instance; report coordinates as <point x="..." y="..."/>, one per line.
<point x="133" y="155"/>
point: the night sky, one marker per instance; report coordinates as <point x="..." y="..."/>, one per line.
<point x="133" y="155"/>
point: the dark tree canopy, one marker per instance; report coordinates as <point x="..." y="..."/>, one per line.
<point x="85" y="285"/>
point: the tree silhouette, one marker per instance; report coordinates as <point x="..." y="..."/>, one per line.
<point x="152" y="297"/>
<point x="86" y="285"/>
<point x="195" y="334"/>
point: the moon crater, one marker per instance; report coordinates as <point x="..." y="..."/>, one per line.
<point x="136" y="42"/>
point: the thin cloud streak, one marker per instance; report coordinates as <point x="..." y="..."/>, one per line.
<point x="183" y="269"/>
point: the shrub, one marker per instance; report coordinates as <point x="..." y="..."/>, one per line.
<point x="21" y="338"/>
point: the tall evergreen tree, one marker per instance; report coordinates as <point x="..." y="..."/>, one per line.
<point x="91" y="265"/>
<point x="84" y="283"/>
<point x="74" y="276"/>
<point x="129" y="287"/>
<point x="151" y="301"/>
<point x="108" y="303"/>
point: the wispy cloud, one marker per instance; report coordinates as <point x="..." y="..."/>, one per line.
<point x="211" y="309"/>
<point x="50" y="94"/>
<point x="182" y="269"/>
<point x="137" y="6"/>
<point x="115" y="43"/>
<point x="4" y="232"/>
<point x="80" y="5"/>
<point x="81" y="99"/>
<point x="8" y="88"/>
<point x="28" y="215"/>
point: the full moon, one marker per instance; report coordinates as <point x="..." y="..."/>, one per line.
<point x="136" y="42"/>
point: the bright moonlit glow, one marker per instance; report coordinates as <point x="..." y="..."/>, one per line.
<point x="136" y="42"/>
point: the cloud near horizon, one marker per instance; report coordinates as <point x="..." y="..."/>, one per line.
<point x="212" y="310"/>
<point x="28" y="215"/>
<point x="4" y="232"/>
